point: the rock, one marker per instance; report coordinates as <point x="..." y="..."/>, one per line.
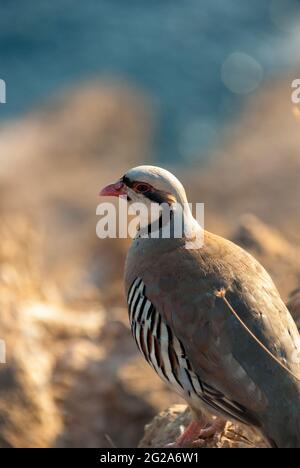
<point x="72" y="366"/>
<point x="272" y="250"/>
<point x="28" y="415"/>
<point x="169" y="424"/>
<point x="118" y="389"/>
<point x="257" y="236"/>
<point x="64" y="153"/>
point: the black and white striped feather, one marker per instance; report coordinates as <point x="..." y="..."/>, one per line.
<point x="166" y="354"/>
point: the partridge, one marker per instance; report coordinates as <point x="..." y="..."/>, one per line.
<point x="210" y="321"/>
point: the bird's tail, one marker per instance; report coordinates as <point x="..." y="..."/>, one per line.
<point x="282" y="423"/>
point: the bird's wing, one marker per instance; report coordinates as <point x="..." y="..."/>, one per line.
<point x="183" y="288"/>
<point x="167" y="354"/>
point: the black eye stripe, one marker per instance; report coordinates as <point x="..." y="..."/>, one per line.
<point x="154" y="195"/>
<point x="131" y="183"/>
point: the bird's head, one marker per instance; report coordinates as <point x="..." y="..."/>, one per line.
<point x="164" y="200"/>
<point x="148" y="184"/>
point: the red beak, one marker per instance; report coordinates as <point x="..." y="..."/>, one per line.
<point x="113" y="190"/>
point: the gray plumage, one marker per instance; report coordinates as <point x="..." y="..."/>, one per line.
<point x="250" y="386"/>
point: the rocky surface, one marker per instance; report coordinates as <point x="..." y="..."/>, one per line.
<point x="277" y="254"/>
<point x="169" y="424"/>
<point x="72" y="375"/>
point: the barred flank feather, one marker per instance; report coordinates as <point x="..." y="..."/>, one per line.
<point x="166" y="354"/>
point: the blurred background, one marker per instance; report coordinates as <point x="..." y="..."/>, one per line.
<point x="94" y="88"/>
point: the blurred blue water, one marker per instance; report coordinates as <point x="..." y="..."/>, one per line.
<point x="173" y="49"/>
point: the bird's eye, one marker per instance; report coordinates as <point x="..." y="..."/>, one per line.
<point x="141" y="188"/>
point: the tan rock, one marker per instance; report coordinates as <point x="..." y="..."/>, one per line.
<point x="169" y="424"/>
<point x="272" y="249"/>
